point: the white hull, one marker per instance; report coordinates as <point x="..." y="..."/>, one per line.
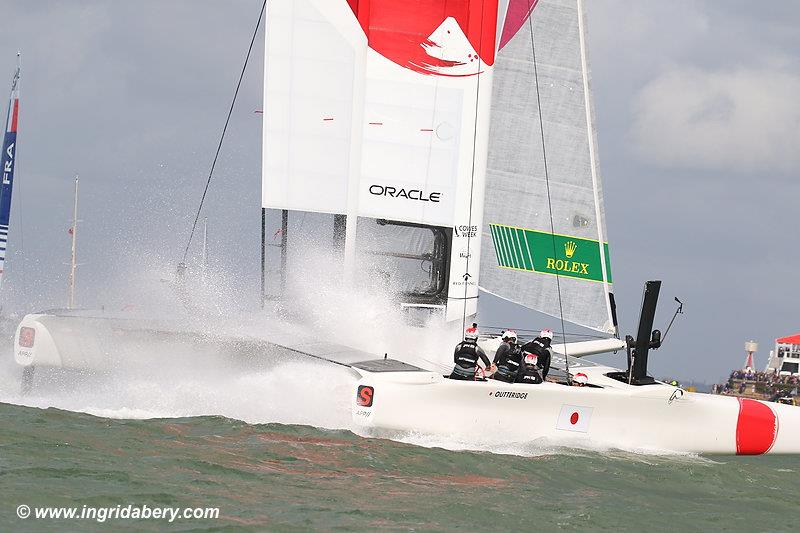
<point x="93" y="341"/>
<point x="655" y="417"/>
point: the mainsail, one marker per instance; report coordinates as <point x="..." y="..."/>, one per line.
<point x="544" y="203"/>
<point x="378" y="110"/>
<point x="8" y="162"/>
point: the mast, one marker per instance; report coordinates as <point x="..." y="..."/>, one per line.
<point x="263" y="253"/>
<point x="601" y="237"/>
<point x="205" y="243"/>
<point x="8" y="158"/>
<point x="73" y="264"/>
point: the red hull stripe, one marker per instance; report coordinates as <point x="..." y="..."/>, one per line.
<point x="756" y="428"/>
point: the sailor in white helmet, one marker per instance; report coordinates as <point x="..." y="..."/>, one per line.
<point x="529" y="372"/>
<point x="580" y="380"/>
<point x="467" y="354"/>
<point x="508" y="358"/>
<point x="540" y="347"/>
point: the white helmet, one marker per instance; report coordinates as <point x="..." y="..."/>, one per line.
<point x="509" y="334"/>
<point x="581" y="378"/>
<point x="471" y="333"/>
<point x="546" y="333"/>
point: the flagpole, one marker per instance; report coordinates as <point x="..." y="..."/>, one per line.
<point x="73" y="263"/>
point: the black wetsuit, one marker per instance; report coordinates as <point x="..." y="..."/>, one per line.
<point x="540" y="347"/>
<point x="529" y="374"/>
<point x="509" y="362"/>
<point x="466" y="358"/>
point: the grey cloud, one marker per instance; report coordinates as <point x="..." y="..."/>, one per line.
<point x="742" y="120"/>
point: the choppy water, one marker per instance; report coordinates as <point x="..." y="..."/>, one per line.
<point x="164" y="438"/>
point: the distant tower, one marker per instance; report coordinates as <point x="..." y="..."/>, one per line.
<point x="750" y="347"/>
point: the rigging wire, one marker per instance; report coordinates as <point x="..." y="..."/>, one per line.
<point x="549" y="201"/>
<point x="224" y="130"/>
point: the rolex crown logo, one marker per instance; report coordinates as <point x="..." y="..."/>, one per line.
<point x="569" y="249"/>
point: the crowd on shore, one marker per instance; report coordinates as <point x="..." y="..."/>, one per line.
<point x="775" y="386"/>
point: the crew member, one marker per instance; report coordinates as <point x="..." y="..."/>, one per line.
<point x="540" y="347"/>
<point x="467" y="354"/>
<point x="529" y="373"/>
<point x="508" y="358"/>
<point x="580" y="380"/>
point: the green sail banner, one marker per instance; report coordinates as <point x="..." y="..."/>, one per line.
<point x="548" y="253"/>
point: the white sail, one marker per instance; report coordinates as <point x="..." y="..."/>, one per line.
<point x="379" y="110"/>
<point x="529" y="259"/>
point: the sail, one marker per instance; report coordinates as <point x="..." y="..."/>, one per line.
<point x="542" y="243"/>
<point x="8" y="162"/>
<point x="379" y="109"/>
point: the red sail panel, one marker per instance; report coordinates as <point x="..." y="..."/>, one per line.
<point x="401" y="30"/>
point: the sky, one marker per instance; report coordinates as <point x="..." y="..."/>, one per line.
<point x="698" y="122"/>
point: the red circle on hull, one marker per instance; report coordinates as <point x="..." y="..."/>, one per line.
<point x="756" y="428"/>
<point x="574" y="419"/>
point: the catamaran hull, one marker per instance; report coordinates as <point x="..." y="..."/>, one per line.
<point x="658" y="418"/>
<point x="96" y="342"/>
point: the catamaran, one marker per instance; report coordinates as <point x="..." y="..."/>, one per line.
<point x="421" y="132"/>
<point x="486" y="105"/>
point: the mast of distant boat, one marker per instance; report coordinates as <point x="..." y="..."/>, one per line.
<point x="8" y="158"/>
<point x="205" y="243"/>
<point x="73" y="263"/>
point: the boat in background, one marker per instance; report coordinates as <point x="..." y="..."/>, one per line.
<point x="780" y="380"/>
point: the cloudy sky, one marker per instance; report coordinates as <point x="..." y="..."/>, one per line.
<point x="699" y="130"/>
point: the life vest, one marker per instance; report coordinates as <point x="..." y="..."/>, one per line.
<point x="466" y="356"/>
<point x="510" y="361"/>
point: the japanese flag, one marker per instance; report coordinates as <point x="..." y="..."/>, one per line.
<point x="574" y="418"/>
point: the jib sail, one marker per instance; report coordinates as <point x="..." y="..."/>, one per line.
<point x="532" y="235"/>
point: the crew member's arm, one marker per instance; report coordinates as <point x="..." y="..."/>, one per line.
<point x="455" y="353"/>
<point x="482" y="355"/>
<point x="501" y="351"/>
